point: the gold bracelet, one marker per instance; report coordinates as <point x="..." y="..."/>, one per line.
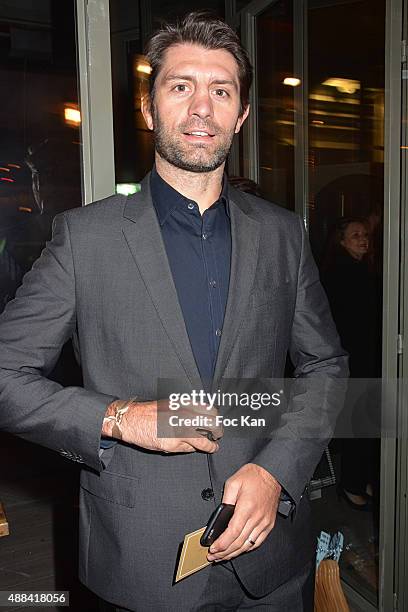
<point x="118" y="416"/>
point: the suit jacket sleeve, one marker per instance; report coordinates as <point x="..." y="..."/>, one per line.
<point x="33" y="329"/>
<point x="318" y="388"/>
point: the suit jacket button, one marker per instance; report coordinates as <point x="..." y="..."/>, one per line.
<point x="207" y="494"/>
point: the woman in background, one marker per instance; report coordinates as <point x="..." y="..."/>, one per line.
<point x="353" y="292"/>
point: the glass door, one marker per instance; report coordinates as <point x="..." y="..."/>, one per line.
<point x="131" y="22"/>
<point x="40" y="159"/>
<point x="346" y="87"/>
<point x="40" y="170"/>
<point x="269" y="138"/>
<point x="325" y="127"/>
<point x="40" y="177"/>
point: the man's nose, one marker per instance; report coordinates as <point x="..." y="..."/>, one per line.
<point x="201" y="105"/>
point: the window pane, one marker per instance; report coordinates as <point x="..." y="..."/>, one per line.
<point x="133" y="143"/>
<point x="346" y="180"/>
<point x="276" y="103"/>
<point x="134" y="151"/>
<point x="163" y="10"/>
<point x="40" y="171"/>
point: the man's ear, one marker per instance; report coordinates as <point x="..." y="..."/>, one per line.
<point x="146" y="108"/>
<point x="241" y="119"/>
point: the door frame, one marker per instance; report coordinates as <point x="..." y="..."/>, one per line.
<point x="401" y="578"/>
<point x="393" y="454"/>
<point x="95" y="99"/>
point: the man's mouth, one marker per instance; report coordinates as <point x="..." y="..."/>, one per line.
<point x="199" y="134"/>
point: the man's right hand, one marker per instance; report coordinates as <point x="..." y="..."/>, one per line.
<point x="143" y="420"/>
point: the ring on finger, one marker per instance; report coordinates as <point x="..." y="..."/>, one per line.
<point x="251" y="541"/>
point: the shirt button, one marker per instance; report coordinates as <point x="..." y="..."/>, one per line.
<point x="204" y="236"/>
<point x="190" y="206"/>
<point x="218" y="332"/>
<point x="207" y="494"/>
<point x="213" y="283"/>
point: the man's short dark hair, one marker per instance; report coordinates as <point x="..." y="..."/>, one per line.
<point x="205" y="29"/>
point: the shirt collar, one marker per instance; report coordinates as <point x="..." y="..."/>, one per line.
<point x="166" y="198"/>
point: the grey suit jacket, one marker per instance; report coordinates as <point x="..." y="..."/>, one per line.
<point x="104" y="279"/>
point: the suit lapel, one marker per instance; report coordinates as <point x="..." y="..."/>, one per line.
<point x="143" y="236"/>
<point x="245" y="233"/>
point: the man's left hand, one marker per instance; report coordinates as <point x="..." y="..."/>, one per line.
<point x="255" y="493"/>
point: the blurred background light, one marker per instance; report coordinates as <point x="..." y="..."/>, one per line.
<point x="72" y="115"/>
<point x="292" y="81"/>
<point x="127" y="188"/>
<point x="143" y="67"/>
<point x="348" y="86"/>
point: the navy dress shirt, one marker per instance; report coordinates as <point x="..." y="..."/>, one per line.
<point x="198" y="248"/>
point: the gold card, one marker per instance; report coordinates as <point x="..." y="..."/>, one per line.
<point x="193" y="556"/>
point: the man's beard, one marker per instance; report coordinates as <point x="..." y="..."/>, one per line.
<point x="190" y="157"/>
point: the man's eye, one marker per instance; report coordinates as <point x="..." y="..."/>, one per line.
<point x="180" y="87"/>
<point x="221" y="93"/>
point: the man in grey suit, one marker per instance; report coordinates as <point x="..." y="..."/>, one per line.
<point x="190" y="280"/>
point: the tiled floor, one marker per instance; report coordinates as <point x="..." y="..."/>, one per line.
<point x="39" y="491"/>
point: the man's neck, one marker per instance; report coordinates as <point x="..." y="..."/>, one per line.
<point x="202" y="187"/>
